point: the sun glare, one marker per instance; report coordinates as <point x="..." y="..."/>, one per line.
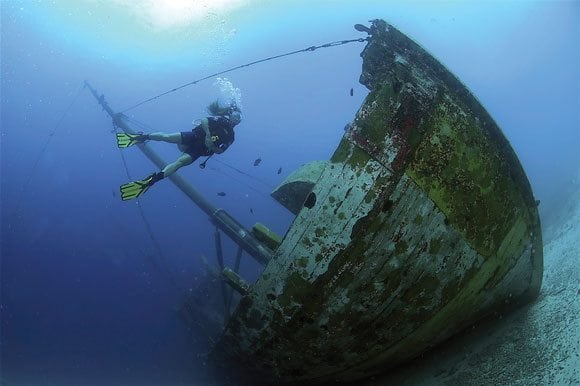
<point x="175" y="14"/>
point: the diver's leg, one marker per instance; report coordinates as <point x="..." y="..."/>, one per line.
<point x="135" y="189"/>
<point x="165" y="137"/>
<point x="183" y="160"/>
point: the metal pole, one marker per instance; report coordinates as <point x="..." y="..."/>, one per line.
<point x="218" y="216"/>
<point x="236" y="270"/>
<point x="220" y="259"/>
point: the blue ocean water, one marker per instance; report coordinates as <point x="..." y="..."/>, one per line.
<point x="85" y="295"/>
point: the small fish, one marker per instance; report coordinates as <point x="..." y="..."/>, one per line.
<point x="114" y="194"/>
<point x="257" y="161"/>
<point x="221" y="194"/>
<point x="279" y="170"/>
<point x="351" y="92"/>
<point x="251" y="211"/>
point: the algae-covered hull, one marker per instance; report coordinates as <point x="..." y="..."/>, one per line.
<point x="422" y="222"/>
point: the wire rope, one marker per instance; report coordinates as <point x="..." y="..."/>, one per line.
<point x="307" y="49"/>
<point x="43" y="150"/>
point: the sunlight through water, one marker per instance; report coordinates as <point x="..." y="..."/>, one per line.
<point x="167" y="15"/>
<point x="141" y="32"/>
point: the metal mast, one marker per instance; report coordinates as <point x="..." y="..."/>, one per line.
<point x="219" y="217"/>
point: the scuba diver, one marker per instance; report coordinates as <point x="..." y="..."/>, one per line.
<point x="210" y="135"/>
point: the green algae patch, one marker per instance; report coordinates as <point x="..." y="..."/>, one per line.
<point x="419" y="294"/>
<point x="469" y="177"/>
<point x="295" y="289"/>
<point x="319" y="232"/>
<point x="302" y="262"/>
<point x="434" y="246"/>
<point x="418" y="220"/>
<point x="374" y="125"/>
<point x="401" y="247"/>
<point x="359" y="158"/>
<point x="342" y="152"/>
<point x="306" y="241"/>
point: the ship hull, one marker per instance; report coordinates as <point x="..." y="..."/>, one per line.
<point x="421" y="223"/>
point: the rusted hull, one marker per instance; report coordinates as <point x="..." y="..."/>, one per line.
<point x="422" y="222"/>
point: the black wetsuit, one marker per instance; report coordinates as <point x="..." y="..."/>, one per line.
<point x="193" y="141"/>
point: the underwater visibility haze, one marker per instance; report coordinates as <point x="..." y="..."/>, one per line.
<point x="95" y="290"/>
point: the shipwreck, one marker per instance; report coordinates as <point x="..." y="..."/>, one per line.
<point x="421" y="223"/>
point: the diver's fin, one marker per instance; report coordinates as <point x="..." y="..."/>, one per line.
<point x="125" y="140"/>
<point x="135" y="189"/>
